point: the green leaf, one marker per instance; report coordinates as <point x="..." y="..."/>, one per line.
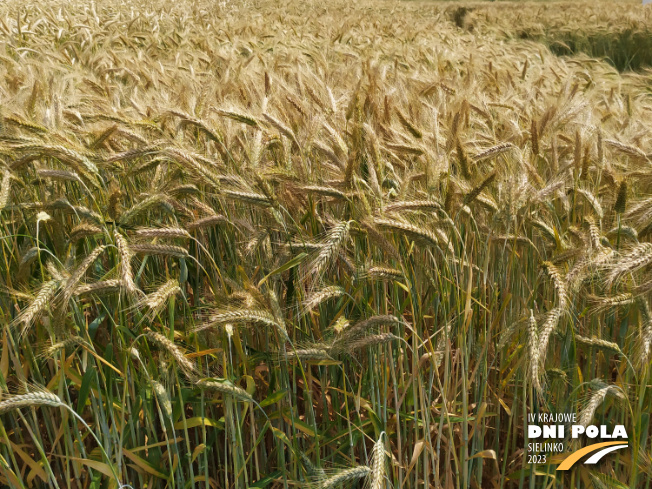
<point x="290" y="264"/>
<point x="266" y="481"/>
<point x="85" y="388"/>
<point x="183" y="271"/>
<point x="92" y="327"/>
<point x="273" y="398"/>
<point x="198" y="421"/>
<point x="281" y="436"/>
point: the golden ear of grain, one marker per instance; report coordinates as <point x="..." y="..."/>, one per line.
<point x="558" y="282"/>
<point x="378" y="464"/>
<point x="463" y="160"/>
<point x="533" y="350"/>
<point x="31" y="399"/>
<point x="38" y="306"/>
<point x="224" y="386"/>
<point x="163" y="398"/>
<point x="534" y="136"/>
<point x="411" y="128"/>
<point x="125" y="254"/>
<point x="493" y="152"/>
<point x="322" y="295"/>
<point x="159" y="249"/>
<point x="599" y="394"/>
<point x="164" y="343"/>
<point x="621" y="199"/>
<point x="244" y="316"/>
<point x="344" y="477"/>
<point x="5" y="188"/>
<point x="474" y="193"/>
<point x="337" y="237"/>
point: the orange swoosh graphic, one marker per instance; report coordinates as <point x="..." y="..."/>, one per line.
<point x="575" y="456"/>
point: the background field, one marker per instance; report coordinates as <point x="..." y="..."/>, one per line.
<point x="322" y="244"/>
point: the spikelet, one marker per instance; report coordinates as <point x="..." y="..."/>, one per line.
<point x="552" y="320"/>
<point x="366" y="341"/>
<point x="340" y="144"/>
<point x="238" y="117"/>
<point x="72" y="282"/>
<point x="184" y="189"/>
<point x="638" y="257"/>
<point x="507" y="333"/>
<point x="126" y="274"/>
<point x="565" y="256"/>
<point x="99" y="288"/>
<point x="594" y="234"/>
<point x="159" y="249"/>
<point x="243" y="316"/>
<point x="411" y="128"/>
<point x="311" y="354"/>
<point x="415" y="233"/>
<point x="157" y="300"/>
<point x="282" y="128"/>
<point x="224" y="386"/>
<point x="378" y="464"/>
<point x="534" y="135"/>
<point x="592" y="200"/>
<point x="312" y="471"/>
<point x="163" y="399"/>
<point x="30" y="399"/>
<point x="621" y="199"/>
<point x="414" y="205"/>
<point x="54" y="271"/>
<point x="554" y="158"/>
<point x="369" y="324"/>
<point x="631" y="151"/>
<point x="5" y="188"/>
<point x="405" y="149"/>
<point x="627" y="232"/>
<point x="336" y="238"/>
<point x="104" y="135"/>
<point x="643" y="348"/>
<point x="113" y="207"/>
<point x="558" y="283"/>
<point x="164" y="343"/>
<point x="38" y="306"/>
<point x="65" y="155"/>
<point x="474" y="193"/>
<point x="533" y="351"/>
<point x="603" y="303"/>
<point x="600" y="393"/>
<point x="144" y="205"/>
<point x="320" y="296"/>
<point x="545" y="229"/>
<point x="206" y="222"/>
<point x="344" y="477"/>
<point x="51" y="348"/>
<point x="577" y="158"/>
<point x="83" y="230"/>
<point x="463" y="160"/>
<point x="598" y="343"/>
<point x="382" y="273"/>
<point x="493" y="152"/>
<point x="248" y="197"/>
<point x="162" y="233"/>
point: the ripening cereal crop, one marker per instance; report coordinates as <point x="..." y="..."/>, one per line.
<point x="322" y="245"/>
